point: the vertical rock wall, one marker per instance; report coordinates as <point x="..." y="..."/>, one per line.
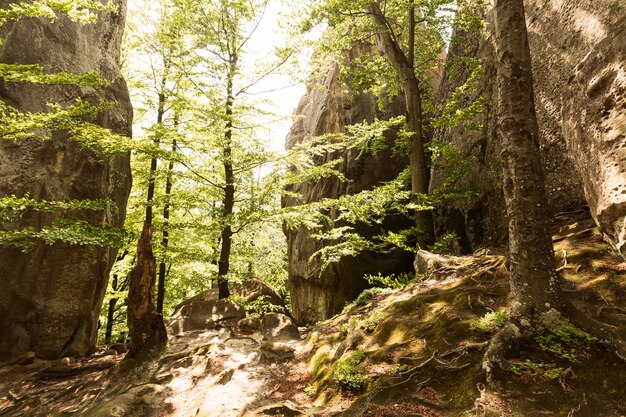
<point x="579" y="81"/>
<point x="328" y="109"/>
<point x="51" y="297"/>
<point x="579" y="61"/>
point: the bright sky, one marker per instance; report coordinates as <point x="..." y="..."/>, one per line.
<point x="279" y="89"/>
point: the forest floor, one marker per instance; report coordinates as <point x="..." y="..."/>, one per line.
<point x="415" y="352"/>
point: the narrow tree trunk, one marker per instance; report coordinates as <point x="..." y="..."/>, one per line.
<point x="228" y="202"/>
<point x="108" y="331"/>
<point x="166" y="234"/>
<point x="411" y="88"/>
<point x="145" y="325"/>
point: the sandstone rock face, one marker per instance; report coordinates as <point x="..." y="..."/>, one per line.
<point x="318" y="295"/>
<point x="51" y="297"/>
<point x="557" y="47"/>
<point x="580" y="70"/>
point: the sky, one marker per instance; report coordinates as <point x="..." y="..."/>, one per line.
<point x="279" y="90"/>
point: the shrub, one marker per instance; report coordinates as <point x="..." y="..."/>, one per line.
<point x="346" y="375"/>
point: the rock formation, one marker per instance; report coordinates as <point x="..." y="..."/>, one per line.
<point x="578" y="66"/>
<point x="316" y="294"/>
<point x="580" y="71"/>
<point x="51" y="297"/>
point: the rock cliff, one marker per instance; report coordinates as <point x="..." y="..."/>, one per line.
<point x="580" y="79"/>
<point x="51" y="297"/>
<point x="580" y="70"/>
<point x="328" y="109"/>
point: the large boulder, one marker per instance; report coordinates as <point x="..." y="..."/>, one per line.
<point x="253" y="289"/>
<point x="318" y="294"/>
<point x="204" y="313"/>
<point x="276" y="326"/>
<point x="51" y="297"/>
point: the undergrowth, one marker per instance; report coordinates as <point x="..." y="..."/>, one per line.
<point x="346" y="373"/>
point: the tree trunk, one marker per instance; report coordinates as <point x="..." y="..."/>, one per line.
<point x="228" y="202"/>
<point x="108" y="331"/>
<point x="535" y="284"/>
<point x="166" y="234"/>
<point x="410" y="85"/>
<point x="145" y="325"/>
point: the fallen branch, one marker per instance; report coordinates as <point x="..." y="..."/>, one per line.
<point x="62" y="372"/>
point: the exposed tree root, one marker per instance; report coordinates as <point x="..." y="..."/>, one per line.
<point x="512" y="335"/>
<point x="607" y="334"/>
<point x="501" y="344"/>
<point x="66" y="371"/>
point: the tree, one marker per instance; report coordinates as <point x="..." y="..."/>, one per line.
<point x="537" y="301"/>
<point x="222" y="32"/>
<point x="396" y="31"/>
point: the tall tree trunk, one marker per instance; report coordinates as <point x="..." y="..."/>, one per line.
<point x="535" y="284"/>
<point x="228" y="202"/>
<point x="410" y="85"/>
<point x="166" y="234"/>
<point x="145" y="325"/>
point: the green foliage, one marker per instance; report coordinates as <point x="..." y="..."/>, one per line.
<point x="443" y="243"/>
<point x="75" y="122"/>
<point x="83" y="11"/>
<point x="362" y="299"/>
<point x="534" y="370"/>
<point x="346" y="373"/>
<point x="349" y="326"/>
<point x="34" y="74"/>
<point x="566" y="343"/>
<point x="490" y="321"/>
<point x="393" y="281"/>
<point x="400" y="367"/>
<point x="372" y="321"/>
<point x="258" y="307"/>
<point x="309" y="390"/>
<point x="12" y="208"/>
<point x="70" y="231"/>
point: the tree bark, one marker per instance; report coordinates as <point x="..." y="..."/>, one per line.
<point x="228" y="202"/>
<point x="108" y="332"/>
<point x="166" y="234"/>
<point x="411" y="87"/>
<point x="535" y="285"/>
<point x="145" y="325"/>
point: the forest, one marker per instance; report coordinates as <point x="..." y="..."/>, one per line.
<point x="313" y="208"/>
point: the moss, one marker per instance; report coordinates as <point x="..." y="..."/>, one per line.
<point x="489" y="322"/>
